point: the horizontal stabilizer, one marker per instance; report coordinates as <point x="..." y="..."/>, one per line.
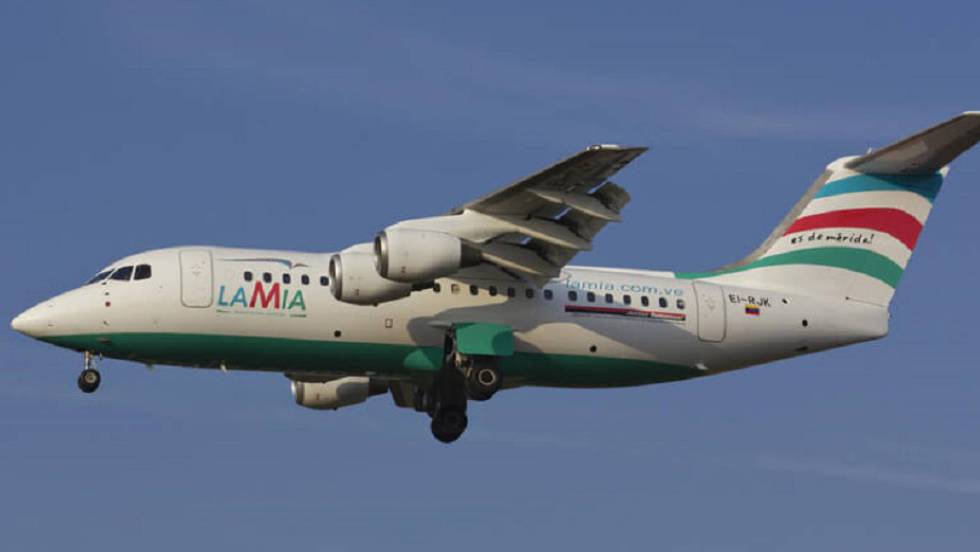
<point x="926" y="152"/>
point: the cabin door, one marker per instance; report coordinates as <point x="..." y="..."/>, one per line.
<point x="196" y="275"/>
<point x="711" y="311"/>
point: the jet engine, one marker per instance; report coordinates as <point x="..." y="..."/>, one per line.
<point x="353" y="279"/>
<point x="414" y="256"/>
<point x="331" y="395"/>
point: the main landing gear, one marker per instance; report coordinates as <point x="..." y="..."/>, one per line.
<point x="483" y="377"/>
<point x="89" y="379"/>
<point x="461" y="378"/>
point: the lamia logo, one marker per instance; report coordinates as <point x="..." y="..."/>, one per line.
<point x="275" y="298"/>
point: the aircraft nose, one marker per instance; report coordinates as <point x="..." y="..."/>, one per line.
<point x="21" y="323"/>
<point x="17" y="324"/>
<point x="32" y="322"/>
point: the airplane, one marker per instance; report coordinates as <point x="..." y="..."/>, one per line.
<point x="444" y="310"/>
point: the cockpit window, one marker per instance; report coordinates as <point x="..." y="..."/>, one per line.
<point x="122" y="274"/>
<point x="143" y="272"/>
<point x="100" y="276"/>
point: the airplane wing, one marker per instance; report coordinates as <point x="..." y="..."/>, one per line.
<point x="533" y="227"/>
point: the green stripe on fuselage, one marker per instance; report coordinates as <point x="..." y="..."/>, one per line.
<point x="857" y="260"/>
<point x="926" y="186"/>
<point x="300" y="355"/>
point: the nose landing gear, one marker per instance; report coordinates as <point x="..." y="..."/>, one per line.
<point x="89" y="379"/>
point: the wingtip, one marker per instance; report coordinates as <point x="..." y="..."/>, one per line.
<point x="616" y="147"/>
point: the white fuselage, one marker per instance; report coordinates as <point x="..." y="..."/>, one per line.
<point x="200" y="308"/>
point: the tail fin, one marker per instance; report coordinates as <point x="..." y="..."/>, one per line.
<point x="853" y="232"/>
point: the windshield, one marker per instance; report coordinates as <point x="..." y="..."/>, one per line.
<point x="122" y="274"/>
<point x="100" y="276"/>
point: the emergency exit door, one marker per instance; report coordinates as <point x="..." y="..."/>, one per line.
<point x="711" y="311"/>
<point x="196" y="287"/>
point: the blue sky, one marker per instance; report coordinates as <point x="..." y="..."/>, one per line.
<point x="132" y="125"/>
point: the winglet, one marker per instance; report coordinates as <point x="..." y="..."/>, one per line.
<point x="926" y="152"/>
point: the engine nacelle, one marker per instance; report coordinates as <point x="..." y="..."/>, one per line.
<point x="414" y="256"/>
<point x="353" y="279"/>
<point x="331" y="395"/>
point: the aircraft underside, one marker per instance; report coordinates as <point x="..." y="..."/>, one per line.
<point x="440" y="384"/>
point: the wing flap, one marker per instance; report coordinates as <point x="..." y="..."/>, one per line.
<point x="583" y="203"/>
<point x="520" y="259"/>
<point x="547" y="231"/>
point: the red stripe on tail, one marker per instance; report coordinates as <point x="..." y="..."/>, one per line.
<point x="903" y="226"/>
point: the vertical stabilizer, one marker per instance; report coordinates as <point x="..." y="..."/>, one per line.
<point x="853" y="232"/>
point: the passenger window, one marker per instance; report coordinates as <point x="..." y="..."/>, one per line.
<point x="286" y="278"/>
<point x="143" y="272"/>
<point x="248" y="276"/>
<point x="474" y="290"/>
<point x="573" y="296"/>
<point x="305" y="280"/>
<point x="662" y="302"/>
<point x="529" y="293"/>
<point x="609" y="298"/>
<point x="454" y="289"/>
<point x="267" y="277"/>
<point x="511" y="292"/>
<point x="627" y="299"/>
<point x="548" y="294"/>
<point x="436" y="287"/>
<point x="122" y="274"/>
<point x="324" y="281"/>
<point x="680" y="304"/>
<point x="645" y="301"/>
<point x="590" y="297"/>
<point x="493" y="291"/>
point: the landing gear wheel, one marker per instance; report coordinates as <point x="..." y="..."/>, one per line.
<point x="483" y="378"/>
<point x="449" y="423"/>
<point x="445" y="399"/>
<point x="89" y="380"/>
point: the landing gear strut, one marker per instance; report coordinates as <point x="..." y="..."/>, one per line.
<point x="445" y="400"/>
<point x="89" y="379"/>
<point x="461" y="378"/>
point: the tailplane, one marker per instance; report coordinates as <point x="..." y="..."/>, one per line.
<point x="853" y="232"/>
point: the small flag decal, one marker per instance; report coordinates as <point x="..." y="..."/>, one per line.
<point x="752" y="310"/>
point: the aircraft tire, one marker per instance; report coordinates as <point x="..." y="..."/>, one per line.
<point x="89" y="380"/>
<point x="449" y="423"/>
<point x="423" y="401"/>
